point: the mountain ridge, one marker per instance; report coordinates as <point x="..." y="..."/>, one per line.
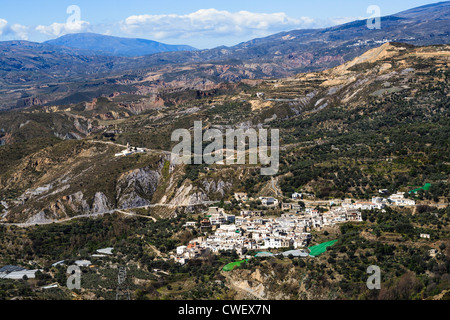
<point x="115" y="46"/>
<point x="26" y="71"/>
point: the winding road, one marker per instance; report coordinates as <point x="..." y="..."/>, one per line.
<point x="122" y="211"/>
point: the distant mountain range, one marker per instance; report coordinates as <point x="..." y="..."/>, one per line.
<point x="115" y="46"/>
<point x="34" y="73"/>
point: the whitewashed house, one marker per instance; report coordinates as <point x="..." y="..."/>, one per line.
<point x="399" y="199"/>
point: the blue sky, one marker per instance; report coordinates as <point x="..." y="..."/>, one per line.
<point x="202" y="24"/>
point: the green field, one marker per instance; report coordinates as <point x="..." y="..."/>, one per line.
<point x="231" y="266"/>
<point x="426" y="187"/>
<point x="320" y="248"/>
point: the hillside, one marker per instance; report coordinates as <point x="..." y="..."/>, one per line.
<point x="379" y="121"/>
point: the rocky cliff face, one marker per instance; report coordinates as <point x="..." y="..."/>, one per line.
<point x="274" y="283"/>
<point x="76" y="178"/>
<point x="84" y="181"/>
<point x="101" y="203"/>
<point x="187" y="195"/>
<point x="216" y="189"/>
<point x="136" y="188"/>
<point x="67" y="206"/>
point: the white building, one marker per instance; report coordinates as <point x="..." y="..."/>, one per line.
<point x="312" y="212"/>
<point x="17" y="275"/>
<point x="377" y="203"/>
<point x="399" y="199"/>
<point x="181" y="250"/>
<point x="353" y="215"/>
<point x="83" y="263"/>
<point x="296" y="196"/>
<point x="268" y="201"/>
<point x="106" y="251"/>
<point x="58" y="263"/>
<point x="273" y="242"/>
<point x="129" y="151"/>
<point x="190" y="224"/>
<point x="181" y="260"/>
<point x="219" y="219"/>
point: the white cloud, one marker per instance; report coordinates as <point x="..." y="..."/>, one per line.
<point x="211" y="26"/>
<point x="15" y="31"/>
<point x="3" y="25"/>
<point x="20" y="31"/>
<point x="60" y="29"/>
<point x="212" y="23"/>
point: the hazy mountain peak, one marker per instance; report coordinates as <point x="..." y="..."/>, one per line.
<point x="116" y="46"/>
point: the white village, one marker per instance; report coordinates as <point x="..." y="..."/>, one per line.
<point x="254" y="231"/>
